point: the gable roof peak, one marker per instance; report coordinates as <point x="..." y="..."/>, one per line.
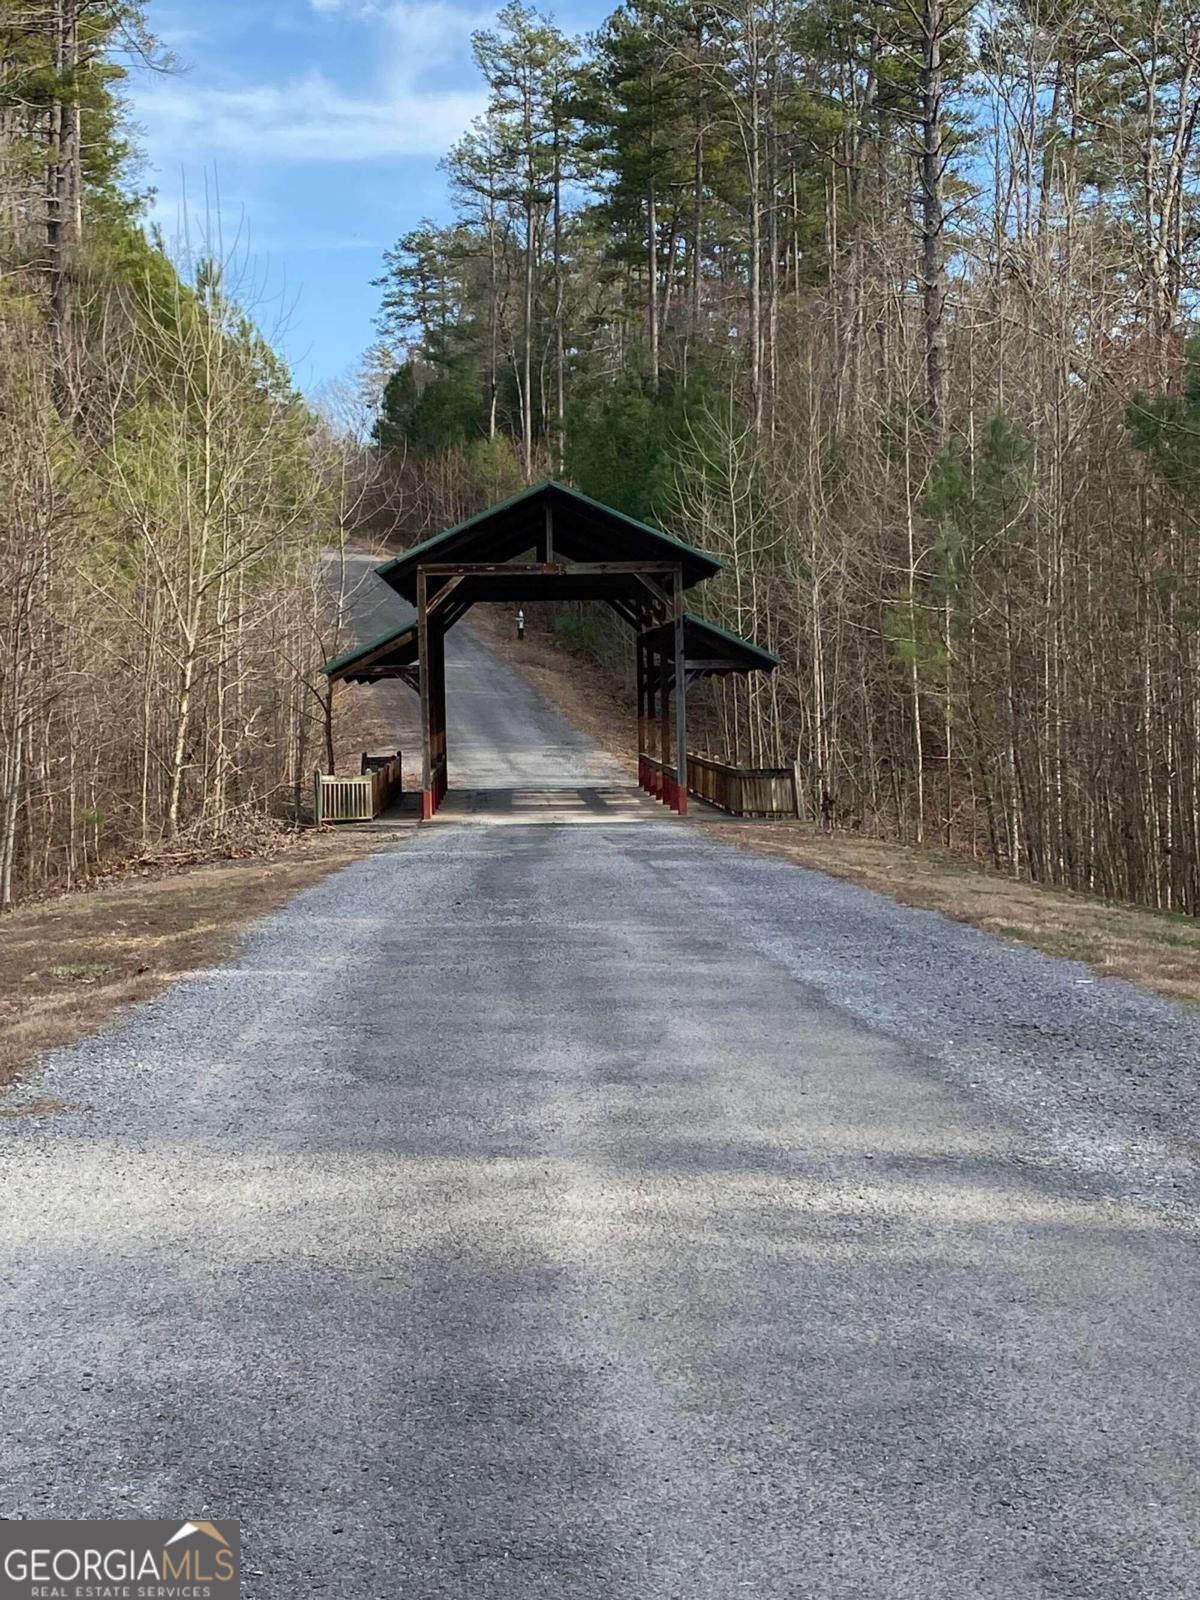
<point x="584" y="530"/>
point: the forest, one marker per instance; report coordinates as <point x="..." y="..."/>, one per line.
<point x="164" y="492"/>
<point x="890" y="305"/>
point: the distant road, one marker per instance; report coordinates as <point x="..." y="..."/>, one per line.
<point x="563" y="1212"/>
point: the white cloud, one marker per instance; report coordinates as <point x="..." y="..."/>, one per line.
<point x="306" y="119"/>
<point x="310" y="117"/>
<point x="432" y="32"/>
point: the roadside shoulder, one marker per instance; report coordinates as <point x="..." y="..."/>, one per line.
<point x="1159" y="950"/>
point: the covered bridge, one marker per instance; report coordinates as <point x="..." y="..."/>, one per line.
<point x="552" y="543"/>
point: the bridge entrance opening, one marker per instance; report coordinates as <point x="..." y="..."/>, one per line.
<point x="552" y="543"/>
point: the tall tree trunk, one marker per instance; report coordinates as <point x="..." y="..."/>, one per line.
<point x="560" y="352"/>
<point x="932" y="170"/>
<point x="652" y="277"/>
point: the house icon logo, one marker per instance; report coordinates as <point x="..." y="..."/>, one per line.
<point x="209" y="1529"/>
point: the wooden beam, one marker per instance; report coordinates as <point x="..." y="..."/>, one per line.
<point x="681" y="772"/>
<point x="659" y="597"/>
<point x="639" y="650"/>
<point x="444" y="593"/>
<point x="437" y="692"/>
<point x="651" y="778"/>
<point x="623" y="610"/>
<point x="664" y="724"/>
<point x="455" y="612"/>
<point x="407" y="674"/>
<point x="426" y="750"/>
<point x="486" y="569"/>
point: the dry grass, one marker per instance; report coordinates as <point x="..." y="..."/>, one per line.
<point x="1155" y="949"/>
<point x="66" y="964"/>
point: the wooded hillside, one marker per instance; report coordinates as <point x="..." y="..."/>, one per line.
<point x="890" y="306"/>
<point x="163" y="491"/>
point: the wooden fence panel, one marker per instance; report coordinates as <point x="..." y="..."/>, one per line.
<point x="742" y="791"/>
<point x="338" y="799"/>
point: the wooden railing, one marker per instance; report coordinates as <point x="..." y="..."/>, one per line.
<point x="742" y="791"/>
<point x="338" y="799"/>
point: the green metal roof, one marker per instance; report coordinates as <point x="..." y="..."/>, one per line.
<point x="504" y="531"/>
<point x="398" y="637"/>
<point x="708" y="641"/>
<point x="745" y="648"/>
<point x="649" y="543"/>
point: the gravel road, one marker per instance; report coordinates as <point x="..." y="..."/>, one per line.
<point x="594" y="1212"/>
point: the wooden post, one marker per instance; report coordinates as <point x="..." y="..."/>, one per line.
<point x="640" y="654"/>
<point x="664" y="724"/>
<point x="681" y="772"/>
<point x="318" y="790"/>
<point x="427" y="807"/>
<point x="651" y="708"/>
<point x="438" y="699"/>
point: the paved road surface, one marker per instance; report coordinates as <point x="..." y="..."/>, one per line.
<point x="596" y="1212"/>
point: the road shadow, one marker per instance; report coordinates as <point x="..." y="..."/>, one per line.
<point x="566" y="803"/>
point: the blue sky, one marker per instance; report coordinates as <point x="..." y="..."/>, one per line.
<point x="320" y="124"/>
